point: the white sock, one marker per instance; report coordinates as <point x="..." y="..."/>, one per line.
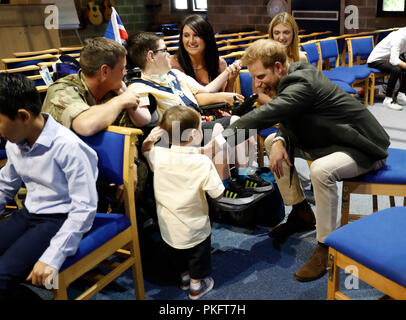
<point x="195" y="285"/>
<point x="387" y="100"/>
<point x="186" y="277"/>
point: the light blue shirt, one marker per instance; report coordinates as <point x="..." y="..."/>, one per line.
<point x="60" y="173"/>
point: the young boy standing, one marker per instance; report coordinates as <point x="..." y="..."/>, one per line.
<point x="59" y="171"/>
<point x="182" y="176"/>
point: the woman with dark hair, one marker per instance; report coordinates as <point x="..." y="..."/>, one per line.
<point x="198" y="56"/>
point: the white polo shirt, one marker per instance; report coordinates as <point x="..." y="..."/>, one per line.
<point x="182" y="176"/>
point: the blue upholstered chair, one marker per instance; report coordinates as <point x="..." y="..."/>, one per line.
<point x="359" y="49"/>
<point x="11" y="63"/>
<point x="312" y="53"/>
<point x="374" y="249"/>
<point x="111" y="233"/>
<point x="390" y="180"/>
<point x="313" y="57"/>
<point x="354" y="76"/>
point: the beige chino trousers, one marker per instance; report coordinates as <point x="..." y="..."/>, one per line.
<point x="324" y="173"/>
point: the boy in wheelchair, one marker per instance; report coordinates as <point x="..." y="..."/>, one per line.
<point x="169" y="87"/>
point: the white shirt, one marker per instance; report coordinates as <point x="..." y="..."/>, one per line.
<point x="182" y="176"/>
<point x="60" y="173"/>
<point x="166" y="100"/>
<point x="390" y="48"/>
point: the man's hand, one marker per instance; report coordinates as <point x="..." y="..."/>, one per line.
<point x="229" y="97"/>
<point x="277" y="155"/>
<point x="129" y="98"/>
<point x="41" y="273"/>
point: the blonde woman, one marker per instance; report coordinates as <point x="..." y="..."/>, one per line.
<point x="283" y="28"/>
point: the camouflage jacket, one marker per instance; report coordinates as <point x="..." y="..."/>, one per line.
<point x="68" y="97"/>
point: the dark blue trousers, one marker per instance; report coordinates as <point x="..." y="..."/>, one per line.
<point x="23" y="239"/>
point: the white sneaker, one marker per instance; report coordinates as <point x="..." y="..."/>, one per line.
<point x="401" y="99"/>
<point x="388" y="102"/>
<point x="206" y="285"/>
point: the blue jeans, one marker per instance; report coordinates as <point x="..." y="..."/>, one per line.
<point x="23" y="239"/>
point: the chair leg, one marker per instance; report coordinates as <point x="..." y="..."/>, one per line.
<point x="392" y="201"/>
<point x="61" y="292"/>
<point x="261" y="154"/>
<point x="137" y="272"/>
<point x="374" y="203"/>
<point x="366" y="91"/>
<point x="333" y="282"/>
<point x="345" y="205"/>
<point x="372" y="88"/>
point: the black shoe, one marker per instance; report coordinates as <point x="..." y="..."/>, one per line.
<point x="236" y="194"/>
<point x="255" y="183"/>
<point x="296" y="223"/>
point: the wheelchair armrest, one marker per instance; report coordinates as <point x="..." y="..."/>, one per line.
<point x="214" y="106"/>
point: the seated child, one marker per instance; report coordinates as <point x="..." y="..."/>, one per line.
<point x="182" y="176"/>
<point x="59" y="171"/>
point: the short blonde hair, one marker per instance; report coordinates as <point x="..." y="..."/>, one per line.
<point x="286" y="19"/>
<point x="186" y="117"/>
<point x="268" y="51"/>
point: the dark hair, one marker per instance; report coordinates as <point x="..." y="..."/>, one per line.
<point x="18" y="92"/>
<point x="138" y="45"/>
<point x="98" y="51"/>
<point x="187" y="117"/>
<point x="211" y="55"/>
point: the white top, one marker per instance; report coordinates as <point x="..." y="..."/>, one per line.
<point x="390" y="48"/>
<point x="60" y="173"/>
<point x="182" y="176"/>
<point x="166" y="100"/>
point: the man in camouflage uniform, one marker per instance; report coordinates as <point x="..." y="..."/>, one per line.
<point x="93" y="99"/>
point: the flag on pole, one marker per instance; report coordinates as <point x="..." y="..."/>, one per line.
<point x="115" y="30"/>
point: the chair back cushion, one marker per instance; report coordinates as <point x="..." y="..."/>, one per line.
<point x="362" y="47"/>
<point x="246" y="84"/>
<point x="329" y="49"/>
<point x="109" y="147"/>
<point x="376" y="241"/>
<point x="311" y="51"/>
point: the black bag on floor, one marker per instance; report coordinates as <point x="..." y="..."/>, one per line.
<point x="268" y="210"/>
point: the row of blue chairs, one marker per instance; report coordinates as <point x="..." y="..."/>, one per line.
<point x="321" y="52"/>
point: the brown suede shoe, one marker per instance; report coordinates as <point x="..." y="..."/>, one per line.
<point x="315" y="268"/>
<point x="299" y="220"/>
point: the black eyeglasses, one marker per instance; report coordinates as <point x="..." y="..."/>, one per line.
<point x="162" y="50"/>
